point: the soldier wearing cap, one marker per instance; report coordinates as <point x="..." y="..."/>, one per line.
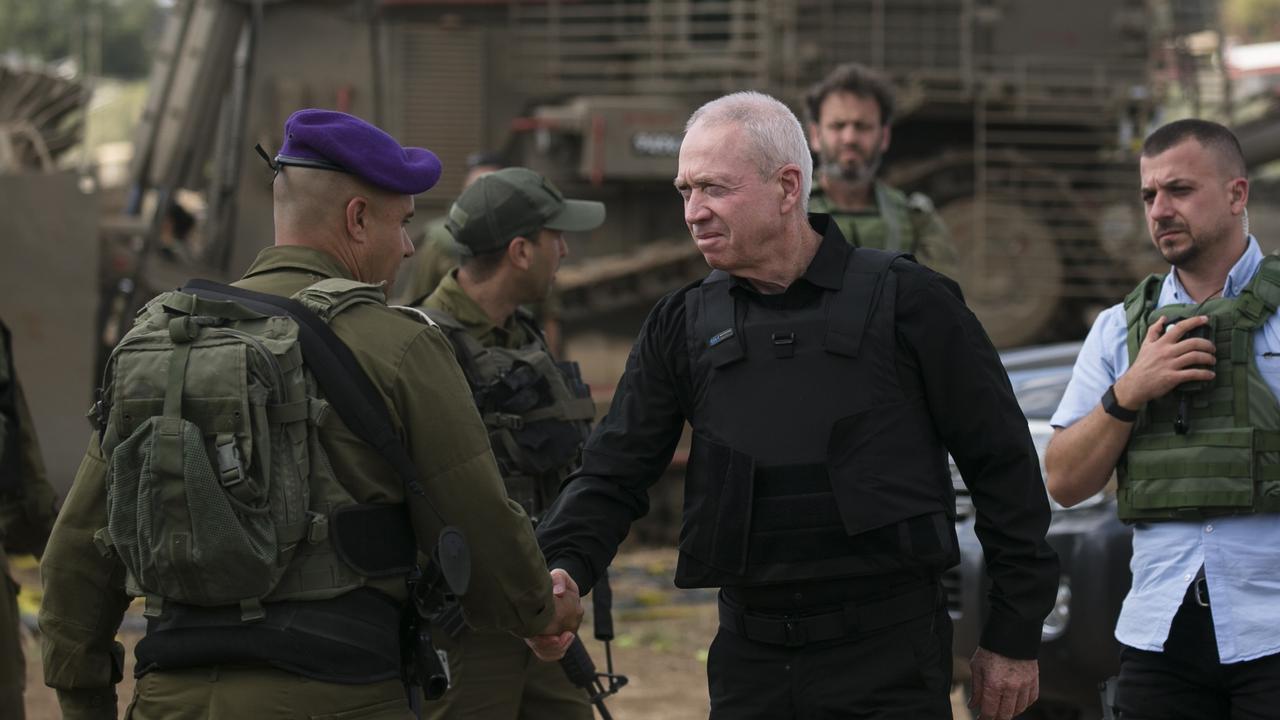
<point x="850" y="113"/>
<point x="343" y="194"/>
<point x="510" y="225"/>
<point x="438" y="255"/>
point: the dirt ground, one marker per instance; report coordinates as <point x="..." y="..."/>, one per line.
<point x="662" y="637"/>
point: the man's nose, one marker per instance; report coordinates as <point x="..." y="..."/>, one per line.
<point x="694" y="209"/>
<point x="408" y="243"/>
<point x="1161" y="208"/>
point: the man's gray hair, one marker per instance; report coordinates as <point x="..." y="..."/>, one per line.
<point x="773" y="130"/>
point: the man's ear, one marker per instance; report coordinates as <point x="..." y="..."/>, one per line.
<point x="884" y="140"/>
<point x="789" y="179"/>
<point x="520" y="252"/>
<point x="815" y="137"/>
<point x="357" y="212"/>
<point x="1239" y="189"/>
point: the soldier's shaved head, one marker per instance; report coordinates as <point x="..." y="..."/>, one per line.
<point x="313" y="202"/>
<point x="339" y="214"/>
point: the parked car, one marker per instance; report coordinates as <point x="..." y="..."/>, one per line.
<point x="1078" y="649"/>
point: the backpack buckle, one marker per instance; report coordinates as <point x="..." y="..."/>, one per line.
<point x="230" y="464"/>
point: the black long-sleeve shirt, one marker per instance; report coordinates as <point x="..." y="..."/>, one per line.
<point x="942" y="349"/>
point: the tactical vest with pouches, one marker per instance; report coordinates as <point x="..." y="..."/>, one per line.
<point x="810" y="458"/>
<point x="218" y="489"/>
<point x="1210" y="449"/>
<point x="537" y="410"/>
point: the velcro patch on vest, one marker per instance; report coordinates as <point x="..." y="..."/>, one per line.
<point x="375" y="540"/>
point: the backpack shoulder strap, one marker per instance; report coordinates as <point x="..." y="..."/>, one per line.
<point x="331" y="296"/>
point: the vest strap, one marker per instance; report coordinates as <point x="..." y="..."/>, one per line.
<point x="863" y="282"/>
<point x="892" y="215"/>
<point x="1137" y="306"/>
<point x="717" y="323"/>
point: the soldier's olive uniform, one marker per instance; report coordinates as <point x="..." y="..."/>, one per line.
<point x="901" y="222"/>
<point x="26" y="516"/>
<point x="431" y="262"/>
<point x="495" y="675"/>
<point x="412" y="367"/>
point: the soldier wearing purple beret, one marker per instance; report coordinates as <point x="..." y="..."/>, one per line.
<point x="343" y="194"/>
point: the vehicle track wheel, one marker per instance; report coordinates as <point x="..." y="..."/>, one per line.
<point x="1009" y="268"/>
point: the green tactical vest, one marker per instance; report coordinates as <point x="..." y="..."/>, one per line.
<point x="219" y="491"/>
<point x="890" y="227"/>
<point x="538" y="411"/>
<point x="1227" y="462"/>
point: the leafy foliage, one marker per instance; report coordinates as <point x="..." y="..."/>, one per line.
<point x="53" y="30"/>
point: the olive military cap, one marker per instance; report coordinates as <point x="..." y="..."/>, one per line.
<point x="514" y="202"/>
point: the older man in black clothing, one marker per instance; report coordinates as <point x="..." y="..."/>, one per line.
<point x="825" y="385"/>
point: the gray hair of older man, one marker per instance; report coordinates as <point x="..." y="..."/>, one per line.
<point x="776" y="136"/>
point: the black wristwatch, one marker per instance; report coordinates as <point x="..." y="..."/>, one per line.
<point x="1115" y="409"/>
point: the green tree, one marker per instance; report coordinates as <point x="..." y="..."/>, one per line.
<point x="52" y="30"/>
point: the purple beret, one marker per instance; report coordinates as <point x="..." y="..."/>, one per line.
<point x="331" y="140"/>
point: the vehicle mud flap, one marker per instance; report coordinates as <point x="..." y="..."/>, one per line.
<point x="717" y="505"/>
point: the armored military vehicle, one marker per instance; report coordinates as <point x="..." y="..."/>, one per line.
<point x="1019" y="119"/>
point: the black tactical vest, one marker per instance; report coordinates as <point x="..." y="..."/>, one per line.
<point x="809" y="461"/>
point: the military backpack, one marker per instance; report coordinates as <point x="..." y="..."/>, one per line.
<point x="218" y="489"/>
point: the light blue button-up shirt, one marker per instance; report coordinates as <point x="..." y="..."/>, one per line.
<point x="1240" y="555"/>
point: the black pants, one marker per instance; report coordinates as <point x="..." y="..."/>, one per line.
<point x="902" y="672"/>
<point x="1187" y="681"/>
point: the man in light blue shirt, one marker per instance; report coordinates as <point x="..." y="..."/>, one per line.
<point x="1200" y="623"/>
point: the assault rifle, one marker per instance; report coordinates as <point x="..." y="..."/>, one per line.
<point x="577" y="662"/>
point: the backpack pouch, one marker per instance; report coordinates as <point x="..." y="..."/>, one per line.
<point x="185" y="538"/>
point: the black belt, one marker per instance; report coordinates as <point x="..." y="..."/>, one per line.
<point x="851" y="618"/>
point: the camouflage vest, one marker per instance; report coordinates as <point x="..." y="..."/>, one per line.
<point x="1208" y="449"/>
<point x="218" y="489"/>
<point x="892" y="226"/>
<point x="538" y="411"/>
